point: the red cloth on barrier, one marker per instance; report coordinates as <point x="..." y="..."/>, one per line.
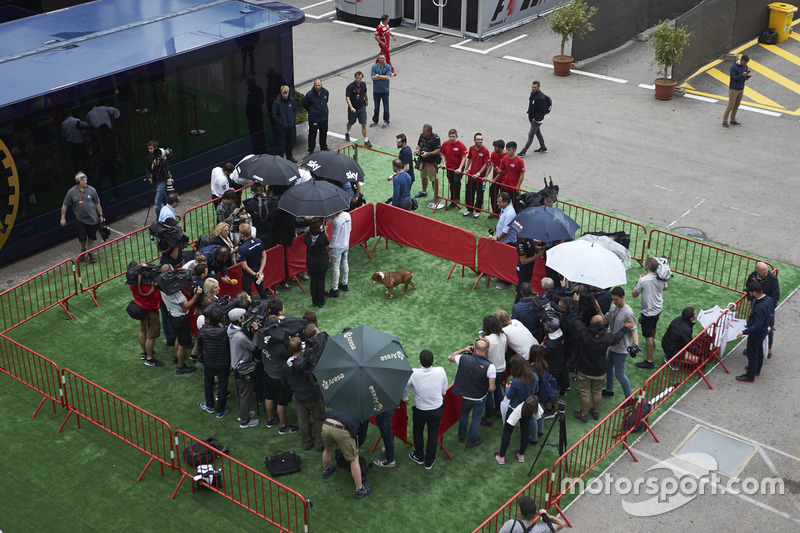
<point x="235" y="273"/>
<point x="426" y="234"/>
<point x="500" y="260"/>
<point x="273" y="271"/>
<point x="452" y="411"/>
<point x="362" y="226"/>
<point x="399" y="422"/>
<point x="296" y="256"/>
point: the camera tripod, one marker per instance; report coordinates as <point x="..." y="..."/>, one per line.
<point x="562" y="434"/>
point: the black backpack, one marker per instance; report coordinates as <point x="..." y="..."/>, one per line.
<point x="549" y="102"/>
<point x="196" y="455"/>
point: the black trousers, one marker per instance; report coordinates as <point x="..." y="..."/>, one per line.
<point x="317" y="280"/>
<point x="455" y="185"/>
<point x="431" y="420"/>
<point x="286" y="137"/>
<point x="313" y="128"/>
<point x="247" y="286"/>
<point x="473" y="194"/>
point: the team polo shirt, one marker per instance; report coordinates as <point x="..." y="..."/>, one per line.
<point x="382" y="33"/>
<point x="250" y="252"/>
<point x="496" y="159"/>
<point x="356" y="94"/>
<point x="477" y="158"/>
<point x="513" y="167"/>
<point x="453" y="153"/>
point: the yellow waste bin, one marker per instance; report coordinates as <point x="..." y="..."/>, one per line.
<point x="780" y="18"/>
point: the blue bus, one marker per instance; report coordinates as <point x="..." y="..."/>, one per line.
<point x="86" y="88"/>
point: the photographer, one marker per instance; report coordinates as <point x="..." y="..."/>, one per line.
<point x="242" y="345"/>
<point x="178" y="308"/>
<point x="257" y="206"/>
<point x="529" y="513"/>
<point x="428" y="158"/>
<point x="148" y="298"/>
<point x="227" y="210"/>
<point x="274" y="354"/>
<point x="157" y="172"/>
<point x="739" y="75"/>
<point x="217" y="257"/>
<point x="618" y="353"/>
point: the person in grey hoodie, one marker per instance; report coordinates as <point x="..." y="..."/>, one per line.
<point x="242" y="346"/>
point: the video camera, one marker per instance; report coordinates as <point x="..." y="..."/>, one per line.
<point x="142" y="275"/>
<point x="257" y="312"/>
<point x="226" y="304"/>
<point x="170" y="235"/>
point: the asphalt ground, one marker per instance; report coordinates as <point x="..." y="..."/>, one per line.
<point x="611" y="144"/>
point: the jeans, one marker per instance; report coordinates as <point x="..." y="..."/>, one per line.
<point x="339" y="260"/>
<point x="378" y="98"/>
<point x="166" y="326"/>
<point x="313" y="128"/>
<point x="537" y="428"/>
<point x="431" y="419"/>
<point x="466" y="406"/>
<point x="222" y="375"/>
<point x="616" y="367"/>
<point x="384" y="421"/>
<point x="535" y="130"/>
<point x="161" y="196"/>
<point x="493" y="399"/>
<point x="508" y="429"/>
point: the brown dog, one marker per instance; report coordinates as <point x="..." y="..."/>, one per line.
<point x="391" y="280"/>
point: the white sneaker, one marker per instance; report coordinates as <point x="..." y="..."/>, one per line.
<point x="466" y="213"/>
<point x="476" y="214"/>
<point x="251" y="424"/>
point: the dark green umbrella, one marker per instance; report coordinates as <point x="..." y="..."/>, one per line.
<point x="363" y="372"/>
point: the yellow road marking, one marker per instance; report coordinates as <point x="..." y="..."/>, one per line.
<point x="774" y="76"/>
<point x="751" y="104"/>
<point x="793" y="35"/>
<point x="748" y="92"/>
<point x="782" y="53"/>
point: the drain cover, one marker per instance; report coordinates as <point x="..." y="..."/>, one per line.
<point x="691" y="232"/>
<point x="731" y="454"/>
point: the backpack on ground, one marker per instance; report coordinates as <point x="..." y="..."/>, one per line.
<point x="207" y="475"/>
<point x="341" y="462"/>
<point x="196" y="455"/>
<point x="634" y="421"/>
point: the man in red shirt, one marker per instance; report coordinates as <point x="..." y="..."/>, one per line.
<point x="497" y="157"/>
<point x="382" y="34"/>
<point x="479" y="161"/>
<point x="455" y="157"/>
<point x="148" y="297"/>
<point x="512" y="171"/>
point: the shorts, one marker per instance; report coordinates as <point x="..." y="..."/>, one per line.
<point x="590" y="385"/>
<point x="358" y="114"/>
<point x="86" y="230"/>
<point x="274" y="390"/>
<point x="182" y="330"/>
<point x="338" y="437"/>
<point x="151" y="326"/>
<point x="428" y="172"/>
<point x="649" y="324"/>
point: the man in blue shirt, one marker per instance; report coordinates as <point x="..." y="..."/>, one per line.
<point x="381" y="75"/>
<point x="253" y="257"/>
<point x="406" y="155"/>
<point x="316" y="103"/>
<point x="503" y="231"/>
<point x="739" y="74"/>
<point x="168" y="211"/>
<point x="357" y="101"/>
<point x="401" y="189"/>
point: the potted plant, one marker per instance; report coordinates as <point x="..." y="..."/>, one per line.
<point x="668" y="43"/>
<point x="301" y="120"/>
<point x="569" y="20"/>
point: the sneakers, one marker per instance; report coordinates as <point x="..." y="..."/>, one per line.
<point x="769" y="354"/>
<point x="520" y="457"/>
<point x="143" y="356"/>
<point x="385" y="125"/>
<point x="185" y="369"/>
<point x="251" y="424"/>
<point x="499" y="459"/>
<point x="333" y="293"/>
<point x="327" y="473"/>
<point x="90" y="258"/>
<point x="540" y="150"/>
<point x="368" y="144"/>
<point x="461" y="438"/>
<point x="421" y="194"/>
<point x="747" y="368"/>
<point x="502" y="285"/>
<point x="522" y="153"/>
<point x="153" y="362"/>
<point x="272" y="422"/>
<point x="581" y="417"/>
<point x="645" y="364"/>
<point x="733" y="123"/>
<point x="428" y="467"/>
<point x="476" y="214"/>
<point x="488" y="422"/>
<point x="745" y="379"/>
<point x="413" y="457"/>
<point x="343" y="287"/>
<point x="366" y="490"/>
<point x="724" y="124"/>
<point x="383" y="463"/>
<point x="607" y="393"/>
<point x="285" y="430"/>
<point x="467" y="213"/>
<point x="206" y="408"/>
<point x="223" y="413"/>
<point x="372" y="125"/>
<point x="347" y="136"/>
<point x="285" y="286"/>
<point x="549" y="413"/>
<point x="595" y="414"/>
<point x="474" y="443"/>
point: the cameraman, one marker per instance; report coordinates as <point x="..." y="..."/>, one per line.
<point x="739" y="75"/>
<point x="529" y="513"/>
<point x="178" y="308"/>
<point x="429" y="156"/>
<point x="157" y="172"/>
<point x="242" y="345"/>
<point x="227" y="210"/>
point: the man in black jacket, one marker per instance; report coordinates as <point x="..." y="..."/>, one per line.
<point x="307" y="394"/>
<point x="213" y="348"/>
<point x="679" y="334"/>
<point x="316" y="103"/>
<point x="537" y="109"/>
<point x="758" y="324"/>
<point x="284" y="114"/>
<point x="593" y="343"/>
<point x="769" y="283"/>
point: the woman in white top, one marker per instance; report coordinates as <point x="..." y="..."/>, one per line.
<point x="493" y="333"/>
<point x="520" y="339"/>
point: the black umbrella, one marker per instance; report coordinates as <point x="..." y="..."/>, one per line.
<point x="334" y="166"/>
<point x="363" y="372"/>
<point x="544" y="224"/>
<point x="269" y="170"/>
<point x="314" y="199"/>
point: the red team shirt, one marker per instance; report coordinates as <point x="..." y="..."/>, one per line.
<point x="497" y="158"/>
<point x="453" y="153"/>
<point x="477" y="158"/>
<point x="382" y="32"/>
<point x="513" y="167"/>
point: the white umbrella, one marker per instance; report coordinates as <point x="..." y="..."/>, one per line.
<point x="583" y="262"/>
<point x="611" y="245"/>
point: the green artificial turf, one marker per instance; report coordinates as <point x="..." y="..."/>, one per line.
<point x="90" y="481"/>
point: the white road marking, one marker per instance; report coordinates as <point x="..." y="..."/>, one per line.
<point x="762" y="111"/>
<point x="460" y="46"/>
<point x="701" y="98"/>
<point x="529" y="62"/>
<point x="318" y="17"/>
<point x="649" y="87"/>
<point x="665" y="188"/>
<point x="767" y="460"/>
<point x="574" y="71"/>
<point x="340" y="136"/>
<point x="317" y="4"/>
<point x="687" y="212"/>
<point x="367" y="28"/>
<point x="726" y="206"/>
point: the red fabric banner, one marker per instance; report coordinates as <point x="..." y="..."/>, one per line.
<point x="363" y="224"/>
<point x="426" y="234"/>
<point x="499" y="260"/>
<point x="452" y="411"/>
<point x="296" y="256"/>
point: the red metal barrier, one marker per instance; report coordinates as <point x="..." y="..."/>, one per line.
<point x="126" y="421"/>
<point x="34" y="370"/>
<point x="398" y="425"/>
<point x="585" y="454"/>
<point x="537" y="489"/>
<point x="496" y="259"/>
<point x="702" y="261"/>
<point x="199" y="220"/>
<point x="450" y="417"/>
<point x="111" y="259"/>
<point x="591" y="220"/>
<point x="52" y="287"/>
<point x="362" y="227"/>
<point x="248" y="488"/>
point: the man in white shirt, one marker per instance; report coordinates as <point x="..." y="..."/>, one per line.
<point x="520" y="339"/>
<point x="220" y="181"/>
<point x="503" y="232"/>
<point x="429" y="384"/>
<point x="339" y="247"/>
<point x="178" y="307"/>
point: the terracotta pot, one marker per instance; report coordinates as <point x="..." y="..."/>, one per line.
<point x="665" y="88"/>
<point x="562" y="65"/>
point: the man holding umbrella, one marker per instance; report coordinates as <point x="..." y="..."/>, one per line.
<point x="340" y="430"/>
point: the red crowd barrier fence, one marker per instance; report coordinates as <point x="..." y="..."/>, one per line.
<point x="279" y="505"/>
<point x="538" y="489"/>
<point x="111" y="259"/>
<point x="591" y="220"/>
<point x="702" y="261"/>
<point x="398" y="425"/>
<point x="362" y="227"/>
<point x="126" y="421"/>
<point x="496" y="259"/>
<point x="199" y="220"/>
<point x="450" y="417"/>
<point x="52" y="287"/>
<point x="31" y="369"/>
<point x="426" y="234"/>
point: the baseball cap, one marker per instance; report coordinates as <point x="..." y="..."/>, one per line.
<point x="235" y="314"/>
<point x="527" y="506"/>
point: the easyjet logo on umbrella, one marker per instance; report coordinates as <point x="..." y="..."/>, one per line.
<point x="349" y="338"/>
